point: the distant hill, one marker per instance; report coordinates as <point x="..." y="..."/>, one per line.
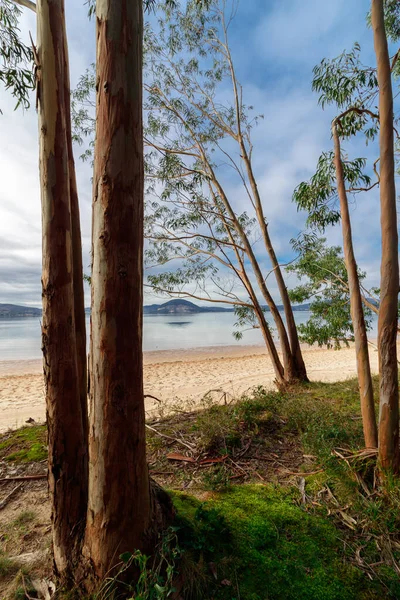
<point x="177" y="306"/>
<point x="12" y="310"/>
<point x="184" y="307"/>
<point x="181" y="307"/>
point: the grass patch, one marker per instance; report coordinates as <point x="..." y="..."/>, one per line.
<point x="24" y="518"/>
<point x="7" y="566"/>
<point x="25" y="445"/>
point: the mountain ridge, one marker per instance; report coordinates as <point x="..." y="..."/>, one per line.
<point x="175" y="306"/>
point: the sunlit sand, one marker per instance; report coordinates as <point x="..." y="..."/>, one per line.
<point x="177" y="378"/>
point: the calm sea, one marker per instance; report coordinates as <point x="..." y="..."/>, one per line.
<point x="20" y="338"/>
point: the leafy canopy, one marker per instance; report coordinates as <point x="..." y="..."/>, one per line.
<point x="16" y="59"/>
<point x="324" y="280"/>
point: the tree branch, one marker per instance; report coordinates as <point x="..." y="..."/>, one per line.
<point x="26" y="4"/>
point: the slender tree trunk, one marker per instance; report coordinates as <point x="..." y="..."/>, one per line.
<point x="67" y="444"/>
<point x="356" y="308"/>
<point x="387" y="320"/>
<point x="289" y="367"/>
<point x="266" y="333"/>
<point x="119" y="510"/>
<point x="265" y="330"/>
<point x="299" y="367"/>
<point x="288" y="359"/>
<point x="269" y="342"/>
<point x="79" y="294"/>
<point x="295" y="367"/>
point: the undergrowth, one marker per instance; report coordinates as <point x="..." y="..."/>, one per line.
<point x="316" y="526"/>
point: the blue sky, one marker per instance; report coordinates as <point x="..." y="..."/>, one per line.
<point x="275" y="45"/>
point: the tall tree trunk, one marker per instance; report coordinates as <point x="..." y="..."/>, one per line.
<point x="356" y="307"/>
<point x="119" y="508"/>
<point x="387" y="320"/>
<point x="79" y="294"/>
<point x="65" y="419"/>
<point x="266" y="333"/>
<point x="299" y="367"/>
<point x="289" y="366"/>
<point x="295" y="367"/>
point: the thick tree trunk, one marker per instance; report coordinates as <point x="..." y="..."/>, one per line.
<point x="119" y="510"/>
<point x="387" y="321"/>
<point x="356" y="308"/>
<point x="65" y="419"/>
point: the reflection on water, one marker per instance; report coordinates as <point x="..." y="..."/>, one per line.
<point x="20" y="338"/>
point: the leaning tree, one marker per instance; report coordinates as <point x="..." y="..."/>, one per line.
<point x="197" y="148"/>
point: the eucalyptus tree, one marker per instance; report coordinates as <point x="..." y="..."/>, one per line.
<point x="198" y="133"/>
<point x="389" y="455"/>
<point x="319" y="198"/>
<point x="63" y="326"/>
<point x="115" y="510"/>
<point x="197" y="146"/>
<point x="354" y="89"/>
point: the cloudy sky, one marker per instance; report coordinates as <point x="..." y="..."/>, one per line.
<point x="275" y="44"/>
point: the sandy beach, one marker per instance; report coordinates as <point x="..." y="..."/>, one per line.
<point x="177" y="378"/>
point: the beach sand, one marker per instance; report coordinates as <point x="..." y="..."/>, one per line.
<point x="177" y="378"/>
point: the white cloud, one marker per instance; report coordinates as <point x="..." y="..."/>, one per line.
<point x="275" y="47"/>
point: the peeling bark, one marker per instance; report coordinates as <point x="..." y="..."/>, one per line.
<point x="387" y="320"/>
<point x="356" y="307"/>
<point x="119" y="509"/>
<point x="67" y="443"/>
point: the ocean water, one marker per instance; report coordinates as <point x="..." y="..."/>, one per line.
<point x="20" y="338"/>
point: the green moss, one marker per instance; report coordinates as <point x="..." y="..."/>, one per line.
<point x="260" y="538"/>
<point x="24" y="445"/>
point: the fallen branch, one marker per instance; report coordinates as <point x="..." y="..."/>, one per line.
<point x="168" y="437"/>
<point x="24" y="478"/>
<point x="153" y="397"/>
<point x="6" y="500"/>
<point x="303" y="474"/>
<point x="180" y="457"/>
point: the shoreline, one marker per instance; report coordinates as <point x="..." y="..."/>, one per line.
<point x="178" y="378"/>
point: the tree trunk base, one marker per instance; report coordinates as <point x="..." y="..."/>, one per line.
<point x="163" y="515"/>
